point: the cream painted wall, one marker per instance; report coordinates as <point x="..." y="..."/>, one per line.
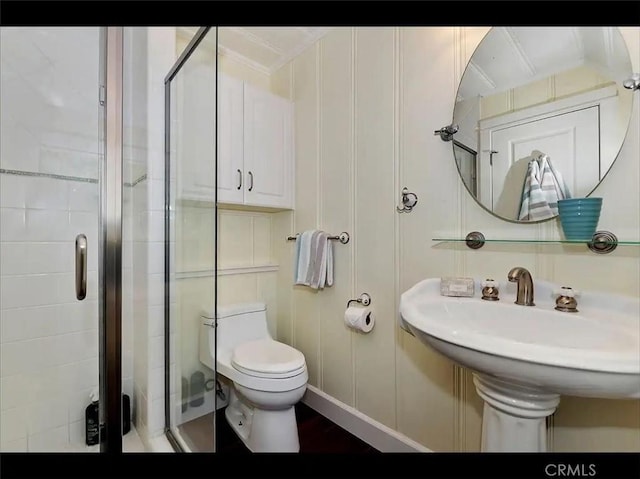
<point x="367" y="101"/>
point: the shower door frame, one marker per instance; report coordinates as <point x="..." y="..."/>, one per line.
<point x="110" y="238"/>
<point x="175" y="69"/>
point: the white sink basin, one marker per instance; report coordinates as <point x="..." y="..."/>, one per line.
<point x="524" y="357"/>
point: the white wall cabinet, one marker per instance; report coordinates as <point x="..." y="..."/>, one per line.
<point x="255" y="146"/>
<point x="231" y="174"/>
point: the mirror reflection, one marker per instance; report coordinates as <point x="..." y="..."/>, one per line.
<point x="542" y="114"/>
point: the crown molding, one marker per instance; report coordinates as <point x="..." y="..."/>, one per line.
<point x="310" y="40"/>
<point x="285" y="57"/>
<point x="233" y="55"/>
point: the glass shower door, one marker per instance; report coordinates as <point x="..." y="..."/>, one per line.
<point x="59" y="198"/>
<point x="190" y="255"/>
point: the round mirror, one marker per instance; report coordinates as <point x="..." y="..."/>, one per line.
<point x="541" y="114"/>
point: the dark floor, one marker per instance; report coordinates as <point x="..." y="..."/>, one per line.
<point x="317" y="434"/>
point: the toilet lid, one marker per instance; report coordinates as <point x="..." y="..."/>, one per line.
<point x="267" y="357"/>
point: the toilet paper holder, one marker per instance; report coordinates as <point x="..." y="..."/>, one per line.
<point x="364" y="300"/>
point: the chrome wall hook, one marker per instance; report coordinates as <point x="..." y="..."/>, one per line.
<point x="409" y="200"/>
<point x="632" y="83"/>
<point x="446" y="132"/>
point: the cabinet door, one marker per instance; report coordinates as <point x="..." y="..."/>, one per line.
<point x="195" y="119"/>
<point x="231" y="174"/>
<point x="268" y="152"/>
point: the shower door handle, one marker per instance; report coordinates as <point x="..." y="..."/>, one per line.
<point x="81" y="267"/>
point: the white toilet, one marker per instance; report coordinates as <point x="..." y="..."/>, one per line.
<point x="269" y="377"/>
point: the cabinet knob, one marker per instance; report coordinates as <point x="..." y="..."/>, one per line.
<point x="239" y="179"/>
<point x="251" y="183"/>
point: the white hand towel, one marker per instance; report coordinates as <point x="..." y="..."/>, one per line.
<point x="302" y="261"/>
<point x="329" y="281"/>
<point x="318" y="269"/>
<point x="313" y="263"/>
<point x="325" y="255"/>
<point x="296" y="258"/>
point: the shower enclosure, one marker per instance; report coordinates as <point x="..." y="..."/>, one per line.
<point x="61" y="238"/>
<point x="190" y="252"/>
<point x="93" y="262"/>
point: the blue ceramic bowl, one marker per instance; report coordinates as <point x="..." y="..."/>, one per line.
<point x="579" y="217"/>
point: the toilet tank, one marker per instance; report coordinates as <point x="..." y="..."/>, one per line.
<point x="238" y="323"/>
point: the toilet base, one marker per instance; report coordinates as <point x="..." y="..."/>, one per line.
<point x="263" y="430"/>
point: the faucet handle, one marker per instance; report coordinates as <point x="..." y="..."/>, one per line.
<point x="566" y="291"/>
<point x="566" y="301"/>
<point x="490" y="290"/>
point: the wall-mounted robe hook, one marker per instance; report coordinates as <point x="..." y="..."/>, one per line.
<point x="632" y="83"/>
<point x="409" y="200"/>
<point x="446" y="132"/>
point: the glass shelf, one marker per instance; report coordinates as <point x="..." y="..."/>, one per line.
<point x="602" y="242"/>
<point x="535" y="241"/>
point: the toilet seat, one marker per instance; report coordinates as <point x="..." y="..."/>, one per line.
<point x="269" y="359"/>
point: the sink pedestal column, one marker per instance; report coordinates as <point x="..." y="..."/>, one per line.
<point x="514" y="418"/>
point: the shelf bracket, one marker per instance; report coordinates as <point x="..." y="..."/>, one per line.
<point x="474" y="240"/>
<point x="603" y="242"/>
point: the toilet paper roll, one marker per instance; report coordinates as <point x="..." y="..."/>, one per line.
<point x="359" y="318"/>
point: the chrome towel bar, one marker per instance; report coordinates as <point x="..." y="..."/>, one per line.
<point x="342" y="237"/>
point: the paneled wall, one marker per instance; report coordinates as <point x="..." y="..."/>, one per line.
<point x="367" y="101"/>
<point x="246" y="270"/>
<point x="246" y="267"/>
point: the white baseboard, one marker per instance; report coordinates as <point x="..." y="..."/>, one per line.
<point x="382" y="437"/>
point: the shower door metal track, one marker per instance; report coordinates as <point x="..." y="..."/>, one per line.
<point x="110" y="263"/>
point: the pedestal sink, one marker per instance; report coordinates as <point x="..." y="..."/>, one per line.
<point x="524" y="358"/>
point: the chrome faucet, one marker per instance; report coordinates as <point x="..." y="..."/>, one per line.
<point x="522" y="276"/>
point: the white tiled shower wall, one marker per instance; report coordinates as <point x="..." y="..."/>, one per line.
<point x="48" y="340"/>
<point x="152" y="57"/>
